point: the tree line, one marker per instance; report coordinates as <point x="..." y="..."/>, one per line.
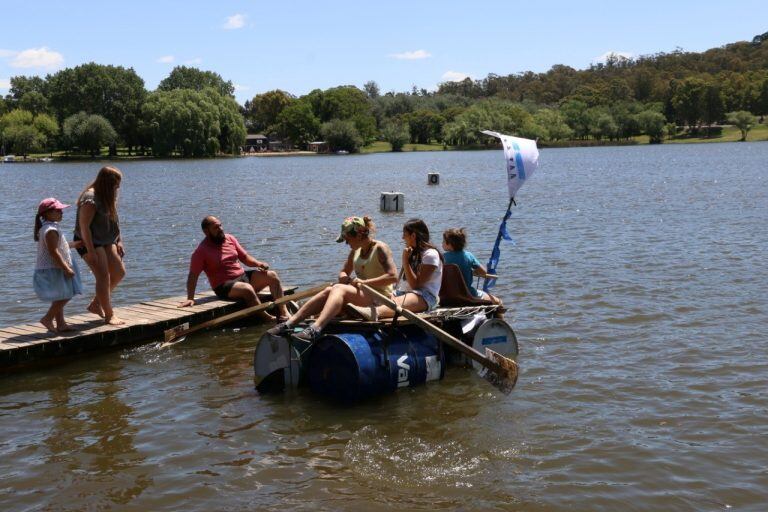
<point x="193" y="113"/>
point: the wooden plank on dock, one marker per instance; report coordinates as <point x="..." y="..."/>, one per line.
<point x="23" y="344"/>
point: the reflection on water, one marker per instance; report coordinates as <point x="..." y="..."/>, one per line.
<point x="636" y="288"/>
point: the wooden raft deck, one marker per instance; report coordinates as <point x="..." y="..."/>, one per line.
<point x="28" y="343"/>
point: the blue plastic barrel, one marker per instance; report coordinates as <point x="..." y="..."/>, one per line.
<point x="353" y="366"/>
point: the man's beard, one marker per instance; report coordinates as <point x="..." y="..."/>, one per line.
<point x="217" y="239"/>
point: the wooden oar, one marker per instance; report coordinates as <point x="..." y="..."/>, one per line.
<point x="182" y="330"/>
<point x="499" y="371"/>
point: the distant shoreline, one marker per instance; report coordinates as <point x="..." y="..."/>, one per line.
<point x="758" y="134"/>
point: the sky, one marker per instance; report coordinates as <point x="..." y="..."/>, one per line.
<point x="298" y="46"/>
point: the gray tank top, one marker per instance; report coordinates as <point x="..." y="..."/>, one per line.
<point x="104" y="230"/>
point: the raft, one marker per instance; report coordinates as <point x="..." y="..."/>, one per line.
<point x="356" y="359"/>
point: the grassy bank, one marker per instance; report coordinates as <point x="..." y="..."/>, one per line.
<point x="728" y="134"/>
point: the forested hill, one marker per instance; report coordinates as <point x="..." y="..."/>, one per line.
<point x="193" y="112"/>
<point x="739" y="67"/>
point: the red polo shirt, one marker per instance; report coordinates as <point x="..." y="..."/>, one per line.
<point x="219" y="262"/>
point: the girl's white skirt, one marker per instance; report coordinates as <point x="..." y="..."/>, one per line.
<point x="51" y="284"/>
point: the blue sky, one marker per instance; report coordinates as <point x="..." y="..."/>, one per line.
<point x="298" y="46"/>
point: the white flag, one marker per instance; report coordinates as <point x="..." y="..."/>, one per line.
<point x="522" y="159"/>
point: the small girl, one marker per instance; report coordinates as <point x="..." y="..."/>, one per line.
<point x="454" y="241"/>
<point x="56" y="278"/>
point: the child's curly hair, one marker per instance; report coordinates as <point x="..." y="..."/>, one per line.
<point x="456" y="238"/>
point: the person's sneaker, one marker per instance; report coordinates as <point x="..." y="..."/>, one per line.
<point x="280" y="329"/>
<point x="309" y="334"/>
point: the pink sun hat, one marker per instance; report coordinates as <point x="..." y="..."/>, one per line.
<point x="50" y="203"/>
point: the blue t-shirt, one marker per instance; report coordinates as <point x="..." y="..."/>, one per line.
<point x="466" y="262"/>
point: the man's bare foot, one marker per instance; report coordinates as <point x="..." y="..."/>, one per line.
<point x="64" y="327"/>
<point x="113" y="320"/>
<point x="48" y="324"/>
<point x="95" y="308"/>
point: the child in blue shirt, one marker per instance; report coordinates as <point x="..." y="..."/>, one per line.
<point x="454" y="241"/>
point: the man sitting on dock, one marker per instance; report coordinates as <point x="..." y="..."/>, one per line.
<point x="219" y="256"/>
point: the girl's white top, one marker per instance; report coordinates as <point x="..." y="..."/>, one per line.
<point x="44" y="260"/>
<point x="429" y="257"/>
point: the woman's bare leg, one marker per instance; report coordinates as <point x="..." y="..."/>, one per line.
<point x="312" y="307"/>
<point x="339" y="295"/>
<point x="116" y="270"/>
<point x="410" y="301"/>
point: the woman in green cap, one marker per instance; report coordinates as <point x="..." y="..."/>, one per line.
<point x="372" y="263"/>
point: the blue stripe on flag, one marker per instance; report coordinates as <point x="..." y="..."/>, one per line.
<point x="519" y="161"/>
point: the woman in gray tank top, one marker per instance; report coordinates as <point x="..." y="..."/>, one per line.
<point x="98" y="226"/>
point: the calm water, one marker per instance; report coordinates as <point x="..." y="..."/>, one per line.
<point x="637" y="288"/>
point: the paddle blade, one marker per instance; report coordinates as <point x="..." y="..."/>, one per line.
<point x="503" y="379"/>
<point x="172" y="333"/>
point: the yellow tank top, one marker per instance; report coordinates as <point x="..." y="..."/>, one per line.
<point x="370" y="267"/>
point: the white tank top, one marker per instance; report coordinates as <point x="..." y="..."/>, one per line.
<point x="44" y="260"/>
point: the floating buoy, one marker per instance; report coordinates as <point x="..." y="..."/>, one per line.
<point x="392" y="202"/>
<point x="433" y="178"/>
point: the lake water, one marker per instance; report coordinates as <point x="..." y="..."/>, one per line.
<point x="636" y="286"/>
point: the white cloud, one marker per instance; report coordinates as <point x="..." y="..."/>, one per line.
<point x="235" y="22"/>
<point x="166" y="59"/>
<point x="38" y="58"/>
<point x="604" y="57"/>
<point x="239" y="87"/>
<point x="5" y="83"/>
<point x="415" y="55"/>
<point x="454" y="76"/>
<point x="192" y="62"/>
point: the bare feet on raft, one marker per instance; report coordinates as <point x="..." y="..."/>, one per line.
<point x="113" y="320"/>
<point x="48" y="324"/>
<point x="95" y="308"/>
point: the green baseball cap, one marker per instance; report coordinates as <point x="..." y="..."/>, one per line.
<point x="350" y="227"/>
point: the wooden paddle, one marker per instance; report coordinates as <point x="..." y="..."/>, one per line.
<point x="499" y="371"/>
<point x="182" y="330"/>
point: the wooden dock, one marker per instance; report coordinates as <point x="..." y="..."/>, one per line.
<point x="21" y="345"/>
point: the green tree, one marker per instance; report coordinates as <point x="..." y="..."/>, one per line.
<point x="183" y="77"/>
<point x="761" y="103"/>
<point x="22" y="132"/>
<point x="371" y="89"/>
<point x="263" y="110"/>
<point x="652" y="123"/>
<point x="114" y="92"/>
<point x="186" y="122"/>
<point x="687" y="100"/>
<point x="624" y="114"/>
<point x="425" y="125"/>
<point x="712" y="104"/>
<point x="298" y="123"/>
<point x="601" y="123"/>
<point x="553" y="123"/>
<point x="341" y="135"/>
<point x="742" y="120"/>
<point x="21" y="85"/>
<point x="34" y="102"/>
<point x="491" y="114"/>
<point x="396" y="134"/>
<point x="88" y="132"/>
<point x="575" y="114"/>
